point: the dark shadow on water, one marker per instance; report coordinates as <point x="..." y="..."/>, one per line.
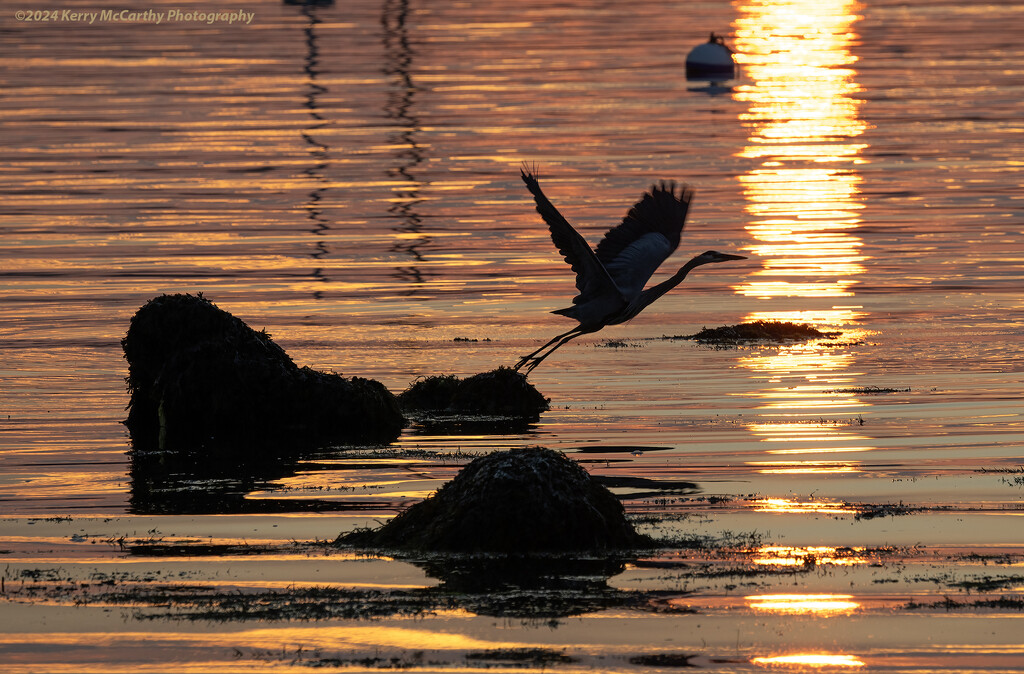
<point x="529" y="586"/>
<point x="217" y="480"/>
<point x="460" y="424"/>
<point x="537" y="589"/>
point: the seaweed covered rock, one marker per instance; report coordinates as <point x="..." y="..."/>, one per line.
<point x="197" y="374"/>
<point x="430" y="394"/>
<point x="501" y="392"/>
<point x="521" y="501"/>
<point x="758" y="331"/>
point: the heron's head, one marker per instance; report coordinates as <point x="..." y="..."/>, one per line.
<point x="715" y="256"/>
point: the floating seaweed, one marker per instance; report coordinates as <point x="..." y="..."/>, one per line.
<point x="758" y="331"/>
<point x="499" y="401"/>
<point x="500" y="392"/>
<point x="869" y="390"/>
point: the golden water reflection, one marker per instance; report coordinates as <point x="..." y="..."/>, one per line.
<point x="803" y="202"/>
<point x="804" y="468"/>
<point x="803" y="196"/>
<point x="785" y="505"/>
<point x="786" y="555"/>
<point x="816" y="604"/>
<point x="811" y="660"/>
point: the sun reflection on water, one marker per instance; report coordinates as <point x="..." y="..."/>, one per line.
<point x="817" y="604"/>
<point x="784" y="505"/>
<point x="806" y="467"/>
<point x="804" y="195"/>
<point x="786" y="555"/>
<point x="811" y="660"/>
<point x="803" y="200"/>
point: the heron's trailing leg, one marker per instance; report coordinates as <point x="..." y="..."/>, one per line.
<point x="528" y="357"/>
<point x="533" y="360"/>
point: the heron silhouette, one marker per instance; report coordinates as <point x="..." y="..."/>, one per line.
<point x="611" y="279"/>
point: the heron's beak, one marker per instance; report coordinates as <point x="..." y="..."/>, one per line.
<point x="726" y="256"/>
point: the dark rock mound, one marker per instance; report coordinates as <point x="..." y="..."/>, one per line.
<point x="430" y="394"/>
<point x="501" y="392"/>
<point x="663" y="660"/>
<point x="758" y="331"/>
<point x="519" y="501"/>
<point x="198" y="375"/>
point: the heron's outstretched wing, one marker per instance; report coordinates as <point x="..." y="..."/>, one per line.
<point x="649" y="233"/>
<point x="592" y="279"/>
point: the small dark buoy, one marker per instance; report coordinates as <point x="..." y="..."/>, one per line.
<point x="711" y="61"/>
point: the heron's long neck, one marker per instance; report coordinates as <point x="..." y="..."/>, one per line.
<point x="656" y="291"/>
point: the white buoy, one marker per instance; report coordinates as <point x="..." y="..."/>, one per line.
<point x="711" y="61"/>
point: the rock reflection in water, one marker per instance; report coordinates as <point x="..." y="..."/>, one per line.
<point x="529" y="586"/>
<point x="203" y="482"/>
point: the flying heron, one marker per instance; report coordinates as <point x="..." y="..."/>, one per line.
<point x="611" y="279"/>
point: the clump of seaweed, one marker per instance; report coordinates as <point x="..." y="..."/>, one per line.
<point x="618" y="344"/>
<point x="871" y="511"/>
<point x="430" y="394"/>
<point x="198" y="375"/>
<point x="500" y="392"/>
<point x="989" y="583"/>
<point x="538" y="657"/>
<point x="758" y="331"/>
<point x="869" y="390"/>
<point x="663" y="660"/>
<point x="949" y="604"/>
<point x="522" y="501"/>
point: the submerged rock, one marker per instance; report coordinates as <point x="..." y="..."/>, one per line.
<point x="197" y="374"/>
<point x="519" y="501"/>
<point x="501" y="392"/>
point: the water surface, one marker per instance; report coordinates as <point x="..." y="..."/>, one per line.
<point x="347" y="178"/>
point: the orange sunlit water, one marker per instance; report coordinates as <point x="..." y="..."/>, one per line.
<point x="803" y="202"/>
<point x="356" y="636"/>
<point x="816" y="604"/>
<point x="803" y="195"/>
<point x="820" y="450"/>
<point x="805" y="467"/>
<point x="785" y="555"/>
<point x="811" y="660"/>
<point x="820" y="431"/>
<point x="798" y="358"/>
<point x="824" y="319"/>
<point x="784" y="505"/>
<point x="369" y="216"/>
